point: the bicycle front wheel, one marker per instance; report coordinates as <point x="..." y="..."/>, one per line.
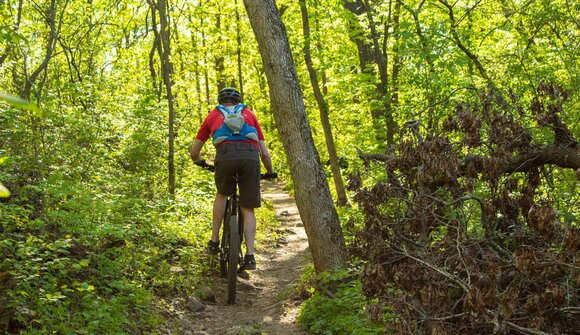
<point x="233" y="259"/>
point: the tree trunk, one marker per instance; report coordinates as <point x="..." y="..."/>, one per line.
<point x="205" y="60"/>
<point x="312" y="192"/>
<point x="366" y="57"/>
<point x="50" y="44"/>
<point x="164" y="51"/>
<point x="152" y="68"/>
<point x="426" y="50"/>
<point x="222" y="80"/>
<point x="397" y="65"/>
<point x="197" y="76"/>
<point x="35" y="80"/>
<point x="239" y="50"/>
<point x="323" y="107"/>
<point x="383" y="119"/>
<point x="473" y="57"/>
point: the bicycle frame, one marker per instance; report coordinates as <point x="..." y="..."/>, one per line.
<point x="231" y="254"/>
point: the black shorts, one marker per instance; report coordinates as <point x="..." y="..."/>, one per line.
<point x="242" y="159"/>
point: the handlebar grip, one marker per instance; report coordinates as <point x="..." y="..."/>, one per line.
<point x="203" y="164"/>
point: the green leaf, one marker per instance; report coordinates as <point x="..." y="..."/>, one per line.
<point x="18" y="102"/>
<point x="4" y="192"/>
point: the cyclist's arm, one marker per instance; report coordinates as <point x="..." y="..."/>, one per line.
<point x="265" y="157"/>
<point x="195" y="151"/>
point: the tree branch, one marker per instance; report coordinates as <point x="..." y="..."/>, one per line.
<point x="366" y="157"/>
<point x="524" y="330"/>
<point x="566" y="157"/>
<point x="464" y="286"/>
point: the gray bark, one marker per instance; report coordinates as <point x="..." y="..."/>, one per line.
<point x="313" y="196"/>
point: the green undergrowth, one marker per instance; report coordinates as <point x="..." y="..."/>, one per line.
<point x="335" y="304"/>
<point x="103" y="261"/>
<point x="266" y="226"/>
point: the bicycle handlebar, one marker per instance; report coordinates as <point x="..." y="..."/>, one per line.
<point x="204" y="165"/>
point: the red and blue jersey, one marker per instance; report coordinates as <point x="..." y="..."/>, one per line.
<point x="215" y="119"/>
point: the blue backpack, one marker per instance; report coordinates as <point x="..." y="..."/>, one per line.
<point x="234" y="127"/>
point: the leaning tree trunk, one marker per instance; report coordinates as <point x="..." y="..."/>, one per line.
<point x="473" y="57"/>
<point x="323" y="107"/>
<point x="312" y="191"/>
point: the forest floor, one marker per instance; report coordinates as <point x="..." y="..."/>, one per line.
<point x="265" y="302"/>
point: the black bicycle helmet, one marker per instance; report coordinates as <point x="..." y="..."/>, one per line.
<point x="230" y="95"/>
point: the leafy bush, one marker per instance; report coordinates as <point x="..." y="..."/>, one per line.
<point x="336" y="305"/>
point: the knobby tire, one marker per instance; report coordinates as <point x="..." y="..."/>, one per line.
<point x="233" y="260"/>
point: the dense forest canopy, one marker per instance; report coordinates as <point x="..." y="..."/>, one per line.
<point x="98" y="190"/>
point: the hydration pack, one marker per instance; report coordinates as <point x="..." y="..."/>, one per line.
<point x="234" y="127"/>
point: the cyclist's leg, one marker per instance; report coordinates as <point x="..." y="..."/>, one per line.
<point x="249" y="183"/>
<point x="249" y="229"/>
<point x="219" y="209"/>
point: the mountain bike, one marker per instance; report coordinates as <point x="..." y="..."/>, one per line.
<point x="231" y="255"/>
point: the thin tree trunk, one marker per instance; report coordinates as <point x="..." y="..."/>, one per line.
<point x="323" y="107"/>
<point x="32" y="81"/>
<point x="463" y="48"/>
<point x="205" y="61"/>
<point x="50" y="44"/>
<point x="380" y="58"/>
<point x="197" y="75"/>
<point x="152" y="67"/>
<point x="384" y="130"/>
<point x="313" y="197"/>
<point x="164" y="51"/>
<point x="366" y="59"/>
<point x="239" y="50"/>
<point x="397" y="62"/>
<point x="427" y="83"/>
<point x="219" y="61"/>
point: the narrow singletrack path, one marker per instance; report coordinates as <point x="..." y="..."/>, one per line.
<point x="264" y="303"/>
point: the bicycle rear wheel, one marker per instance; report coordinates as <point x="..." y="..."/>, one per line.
<point x="225" y="247"/>
<point x="233" y="259"/>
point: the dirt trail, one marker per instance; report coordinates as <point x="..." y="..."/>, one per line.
<point x="262" y="302"/>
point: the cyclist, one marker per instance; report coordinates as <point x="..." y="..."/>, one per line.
<point x="236" y="154"/>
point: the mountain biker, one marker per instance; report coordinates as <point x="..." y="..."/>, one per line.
<point x="236" y="154"/>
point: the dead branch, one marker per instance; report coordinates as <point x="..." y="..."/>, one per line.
<point x="448" y="275"/>
<point x="458" y="273"/>
<point x="525" y="330"/>
<point x="575" y="310"/>
<point x="565" y="157"/>
<point x="366" y="157"/>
